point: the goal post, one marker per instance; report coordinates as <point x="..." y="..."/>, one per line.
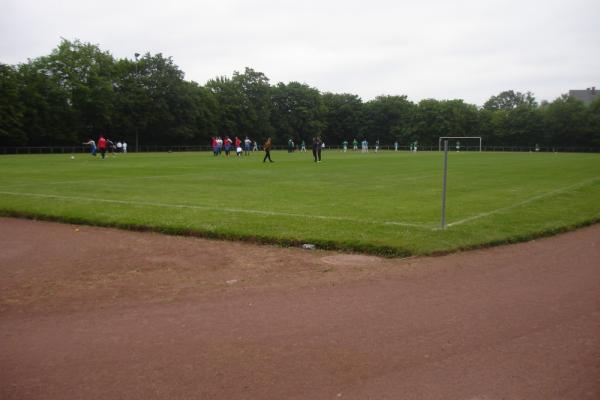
<point x="442" y="138"/>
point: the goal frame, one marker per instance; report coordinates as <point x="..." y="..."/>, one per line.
<point x="457" y="137"/>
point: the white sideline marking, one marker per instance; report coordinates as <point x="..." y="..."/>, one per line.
<point x="529" y="200"/>
<point x="235" y="210"/>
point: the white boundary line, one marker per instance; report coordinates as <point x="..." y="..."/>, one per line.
<point x="529" y="200"/>
<point x="234" y="210"/>
<point x="284" y="214"/>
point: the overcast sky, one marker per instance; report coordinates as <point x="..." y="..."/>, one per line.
<point x="468" y="49"/>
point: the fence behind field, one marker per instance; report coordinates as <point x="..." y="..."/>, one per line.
<point x="148" y="149"/>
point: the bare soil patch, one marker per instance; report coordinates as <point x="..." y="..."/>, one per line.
<point x="101" y="313"/>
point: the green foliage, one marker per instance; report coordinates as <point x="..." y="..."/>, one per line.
<point x="79" y="91"/>
<point x="566" y="122"/>
<point x="509" y="100"/>
<point x="521" y="126"/>
<point x="11" y="109"/>
<point x="83" y="72"/>
<point x="435" y="118"/>
<point x="298" y="112"/>
<point x="343" y="117"/>
<point x="385" y="116"/>
<point x="593" y="117"/>
<point x="244" y="103"/>
<point x="48" y="117"/>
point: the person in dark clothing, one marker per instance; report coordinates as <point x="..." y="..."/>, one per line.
<point x="267" y="147"/>
<point x="111" y="146"/>
<point x="316" y="148"/>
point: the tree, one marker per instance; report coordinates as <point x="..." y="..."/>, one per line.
<point x="298" y="112"/>
<point x="11" y="108"/>
<point x="343" y="117"/>
<point x="80" y="91"/>
<point x="566" y="122"/>
<point x="232" y="104"/>
<point x="156" y="106"/>
<point x="509" y="100"/>
<point x="388" y="118"/>
<point x="48" y="117"/>
<point x="163" y="104"/>
<point x="462" y="119"/>
<point x="524" y="126"/>
<point x="244" y="102"/>
<point x="205" y="112"/>
<point x="434" y="119"/>
<point x="593" y="118"/>
<point x="83" y="74"/>
<point x="256" y="116"/>
<point x="130" y="102"/>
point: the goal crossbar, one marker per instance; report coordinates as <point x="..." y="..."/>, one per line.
<point x="458" y="137"/>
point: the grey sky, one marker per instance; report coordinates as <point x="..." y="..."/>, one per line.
<point x="438" y="49"/>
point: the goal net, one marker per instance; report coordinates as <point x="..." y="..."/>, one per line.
<point x="459" y="143"/>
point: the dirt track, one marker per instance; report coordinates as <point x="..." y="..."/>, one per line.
<point x="91" y="313"/>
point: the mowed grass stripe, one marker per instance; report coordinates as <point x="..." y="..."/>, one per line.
<point x="524" y="202"/>
<point x="201" y="207"/>
<point x="156" y="177"/>
<point x="387" y="202"/>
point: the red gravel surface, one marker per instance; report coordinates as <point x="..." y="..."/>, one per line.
<point x="93" y="313"/>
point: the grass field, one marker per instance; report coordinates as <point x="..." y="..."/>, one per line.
<point x="386" y="203"/>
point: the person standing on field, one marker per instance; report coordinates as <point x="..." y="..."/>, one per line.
<point x="267" y="147"/>
<point x="238" y="146"/>
<point x="102" y="146"/>
<point x="365" y="146"/>
<point x="227" y="143"/>
<point x="219" y="145"/>
<point x="316" y="148"/>
<point x="247" y="144"/>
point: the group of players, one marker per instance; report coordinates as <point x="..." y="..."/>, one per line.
<point x="365" y="146"/>
<point x="106" y="145"/>
<point x="226" y="145"/>
<point x="220" y="145"/>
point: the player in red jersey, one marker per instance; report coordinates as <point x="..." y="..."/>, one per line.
<point x="102" y="146"/>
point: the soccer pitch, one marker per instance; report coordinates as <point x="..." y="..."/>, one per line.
<point x="385" y="203"/>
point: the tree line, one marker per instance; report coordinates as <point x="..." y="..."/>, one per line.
<point x="80" y="91"/>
